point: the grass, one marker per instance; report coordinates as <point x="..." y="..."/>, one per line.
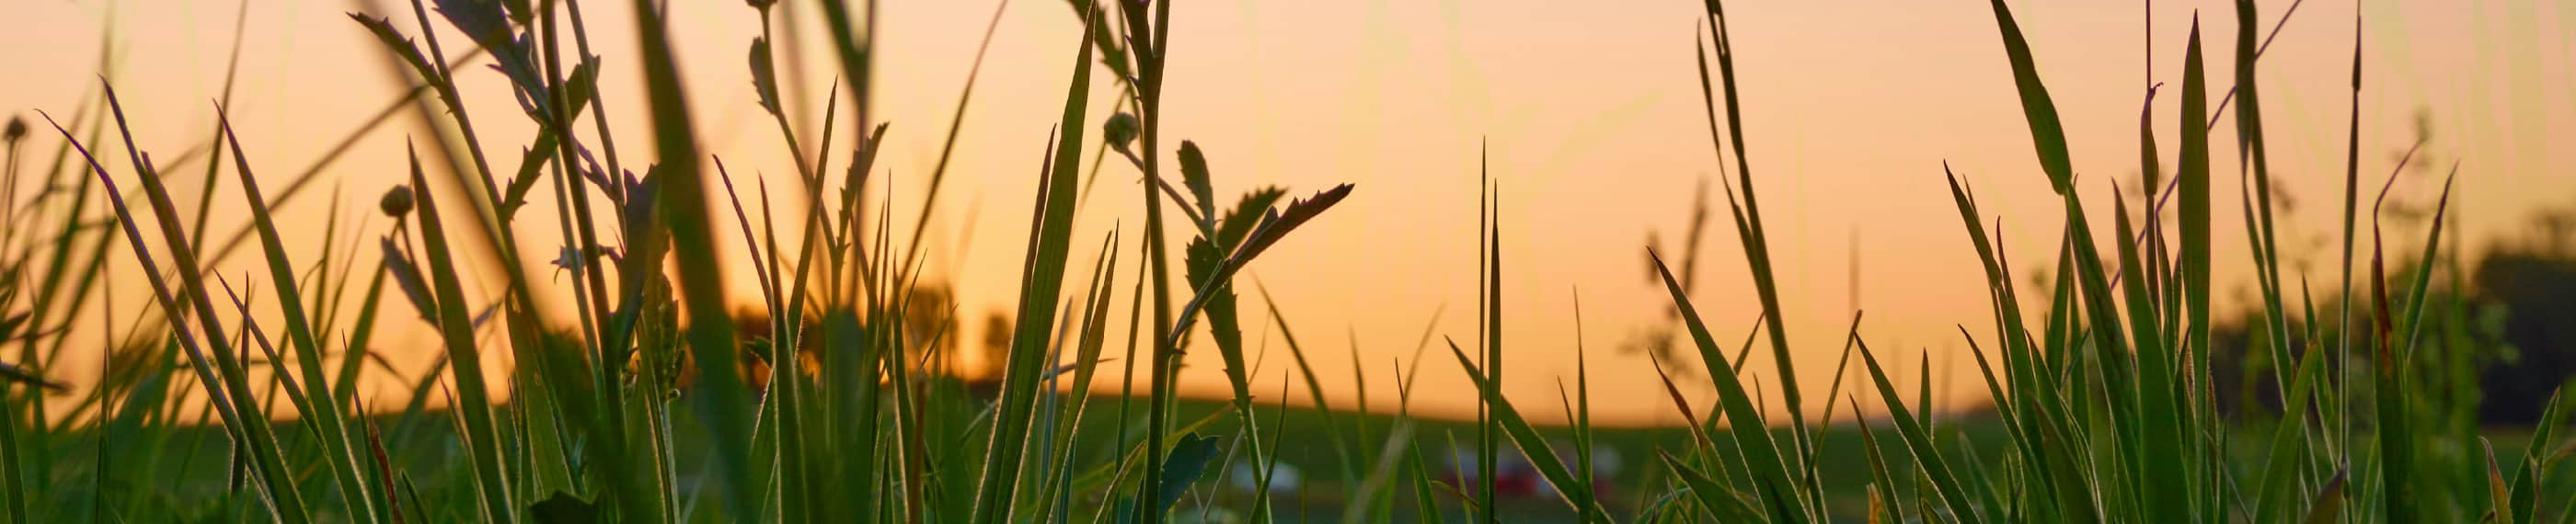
<point x="836" y="401"/>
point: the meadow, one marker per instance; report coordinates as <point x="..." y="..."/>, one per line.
<point x="838" y="399"/>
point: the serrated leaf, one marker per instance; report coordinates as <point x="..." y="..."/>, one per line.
<point x="646" y="240"/>
<point x="519" y="11"/>
<point x="400" y="45"/>
<point x="532" y="162"/>
<point x="1200" y="261"/>
<point x="1273" y="227"/>
<point x="1276" y="226"/>
<point x="480" y="20"/>
<point x="1194" y="174"/>
<point x="511" y="56"/>
<point x="1246" y="214"/>
<point x="1189" y="459"/>
<point x="580" y="87"/>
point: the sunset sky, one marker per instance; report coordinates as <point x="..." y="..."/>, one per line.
<point x="1588" y="115"/>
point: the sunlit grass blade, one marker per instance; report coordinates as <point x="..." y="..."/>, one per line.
<point x="221" y="375"/>
<point x="464" y="360"/>
<point x="323" y="411"/>
<point x="1757" y="256"/>
<point x="1716" y="499"/>
<point x="1042" y="280"/>
<point x="2102" y="326"/>
<point x="2191" y="174"/>
<point x="1927" y="455"/>
<point x="2538" y="456"/>
<point x="956" y="122"/>
<point x="2289" y="441"/>
<point x="2351" y="192"/>
<point x="720" y="395"/>
<point x="1771" y="477"/>
<point x="1577" y="496"/>
<point x="1885" y="502"/>
<point x="2251" y="146"/>
<point x="2045" y="131"/>
<point x="259" y="436"/>
<point x="1343" y="450"/>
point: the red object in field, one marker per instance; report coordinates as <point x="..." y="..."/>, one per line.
<point x="1516" y="479"/>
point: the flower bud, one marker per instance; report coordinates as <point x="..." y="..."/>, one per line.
<point x="1119" y="131"/>
<point x="397" y="202"/>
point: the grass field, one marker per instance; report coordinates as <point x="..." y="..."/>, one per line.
<point x="833" y="403"/>
<point x="1321" y="496"/>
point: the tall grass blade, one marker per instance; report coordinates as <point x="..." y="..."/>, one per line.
<point x="1770" y="475"/>
<point x="2045" y="131"/>
<point x="1927" y="456"/>
<point x="465" y="361"/>
<point x="1043" y="280"/>
<point x="323" y="411"/>
<point x="1757" y="255"/>
<point x="1526" y="437"/>
<point x="2537" y="457"/>
<point x="720" y="395"/>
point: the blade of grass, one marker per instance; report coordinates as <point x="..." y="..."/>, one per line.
<point x="721" y="395"/>
<point x="1757" y="255"/>
<point x="2537" y="457"/>
<point x="1927" y="456"/>
<point x="1540" y="455"/>
<point x="1716" y="499"/>
<point x="2045" y="131"/>
<point x="323" y="412"/>
<point x="1771" y="476"/>
<point x="1886" y="504"/>
<point x="1342" y="449"/>
<point x="225" y="392"/>
<point x="464" y="360"/>
<point x="1043" y="279"/>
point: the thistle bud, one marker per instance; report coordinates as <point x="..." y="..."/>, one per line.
<point x="397" y="202"/>
<point x="1119" y="131"/>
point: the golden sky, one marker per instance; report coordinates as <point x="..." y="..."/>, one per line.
<point x="1589" y="114"/>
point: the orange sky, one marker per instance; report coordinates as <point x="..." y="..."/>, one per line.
<point x="1591" y="111"/>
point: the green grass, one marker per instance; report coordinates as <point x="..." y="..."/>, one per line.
<point x="836" y="400"/>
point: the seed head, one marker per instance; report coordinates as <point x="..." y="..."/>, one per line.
<point x="17" y="129"/>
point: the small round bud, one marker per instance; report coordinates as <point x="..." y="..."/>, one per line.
<point x="397" y="202"/>
<point x="1119" y="130"/>
<point x="17" y="129"/>
<point x="762" y="5"/>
